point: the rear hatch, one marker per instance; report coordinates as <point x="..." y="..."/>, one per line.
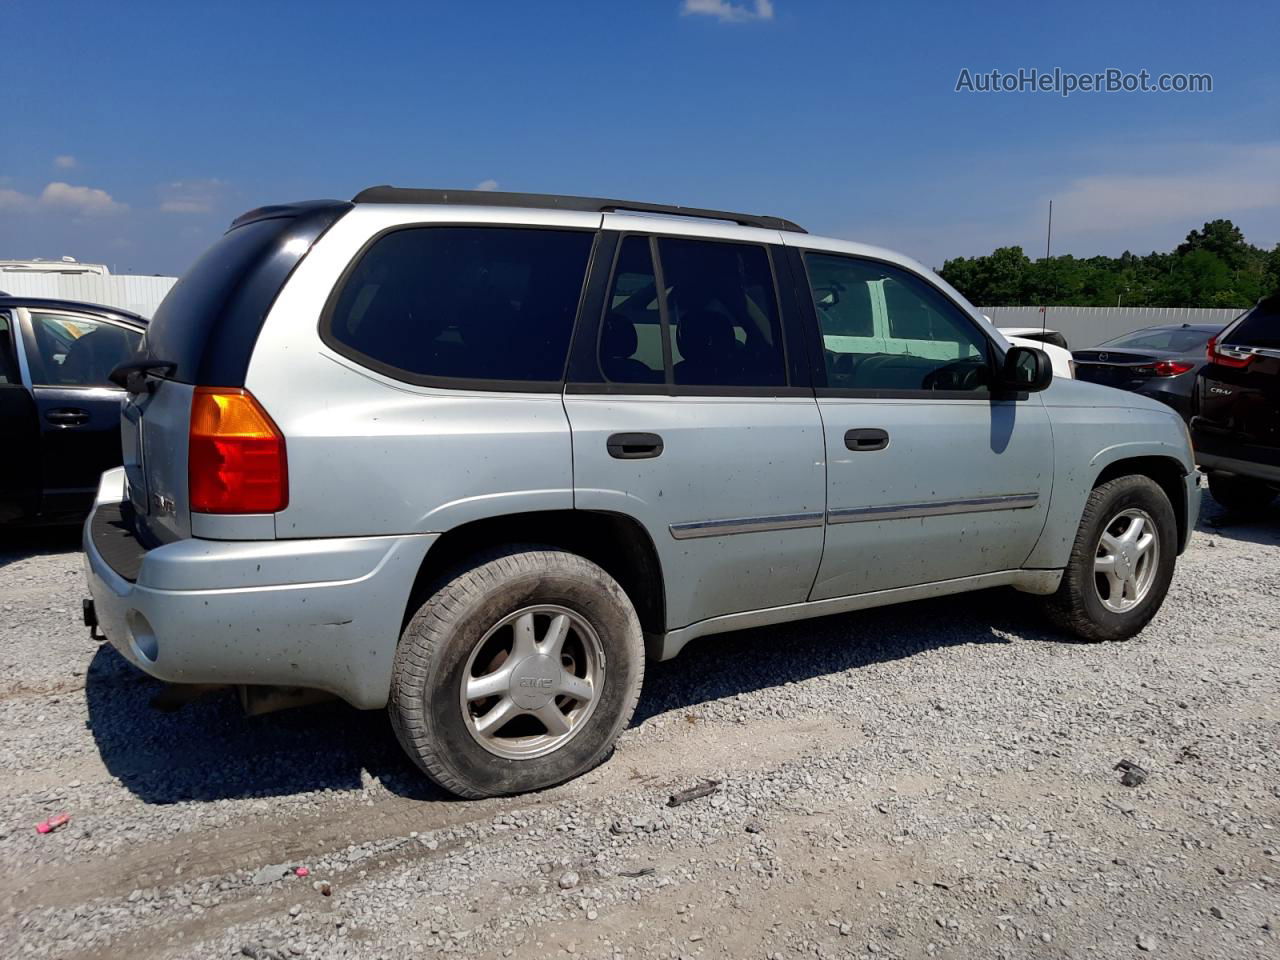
<point x="203" y="334"/>
<point x="1238" y="393"/>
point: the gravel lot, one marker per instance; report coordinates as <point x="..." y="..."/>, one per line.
<point x="929" y="780"/>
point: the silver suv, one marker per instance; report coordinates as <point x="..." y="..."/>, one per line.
<point x="472" y="456"/>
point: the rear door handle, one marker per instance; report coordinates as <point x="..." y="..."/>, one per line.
<point x="634" y="446"/>
<point x="67" y="416"/>
<point x="866" y="438"/>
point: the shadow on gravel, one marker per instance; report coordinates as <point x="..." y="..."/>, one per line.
<point x="209" y="750"/>
<point x="20" y="543"/>
<point x="1261" y="528"/>
<point x="724" y="665"/>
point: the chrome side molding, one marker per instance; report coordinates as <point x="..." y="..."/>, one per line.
<point x="727" y="528"/>
<point x="933" y="508"/>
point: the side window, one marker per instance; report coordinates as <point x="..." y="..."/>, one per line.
<point x="723" y="313"/>
<point x="916" y="338"/>
<point x="469" y="303"/>
<point x="631" y="332"/>
<point x="76" y="351"/>
<point x="8" y="355"/>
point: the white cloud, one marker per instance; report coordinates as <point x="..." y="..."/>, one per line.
<point x="1226" y="180"/>
<point x="62" y="197"/>
<point x="64" y="161"/>
<point x="728" y="12"/>
<point x="88" y="201"/>
<point x="190" y="196"/>
<point x="487" y="185"/>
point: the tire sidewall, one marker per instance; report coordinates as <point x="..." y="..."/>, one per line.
<point x="1145" y="495"/>
<point x="558" y="579"/>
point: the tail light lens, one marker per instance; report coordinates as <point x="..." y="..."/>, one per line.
<point x="1172" y="368"/>
<point x="236" y="458"/>
<point x="1227" y="356"/>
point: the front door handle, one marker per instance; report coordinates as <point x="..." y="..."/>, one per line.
<point x="867" y="438"/>
<point x="67" y="416"/>
<point x="634" y="446"/>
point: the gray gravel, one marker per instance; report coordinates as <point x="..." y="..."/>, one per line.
<point x="930" y="780"/>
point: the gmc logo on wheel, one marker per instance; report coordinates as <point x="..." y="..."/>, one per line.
<point x="541" y="683"/>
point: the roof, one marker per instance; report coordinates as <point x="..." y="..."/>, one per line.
<point x="549" y="201"/>
<point x="113" y="313"/>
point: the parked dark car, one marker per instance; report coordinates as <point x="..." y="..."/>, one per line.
<point x="59" y="414"/>
<point x="1236" y="410"/>
<point x="1159" y="362"/>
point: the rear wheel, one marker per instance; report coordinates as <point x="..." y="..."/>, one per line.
<point x="1240" y="494"/>
<point x="1121" y="562"/>
<point x="518" y="673"/>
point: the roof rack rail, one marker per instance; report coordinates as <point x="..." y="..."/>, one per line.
<point x="551" y="201"/>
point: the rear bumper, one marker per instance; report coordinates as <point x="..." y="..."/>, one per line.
<point x="324" y="614"/>
<point x="1216" y="449"/>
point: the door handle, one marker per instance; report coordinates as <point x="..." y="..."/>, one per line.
<point x="634" y="446"/>
<point x="867" y="438"/>
<point x="67" y="416"/>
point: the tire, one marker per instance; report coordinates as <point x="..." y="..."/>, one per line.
<point x="466" y="631"/>
<point x="1238" y="494"/>
<point x="1078" y="606"/>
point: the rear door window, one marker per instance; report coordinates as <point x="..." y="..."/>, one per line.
<point x="463" y="306"/>
<point x="712" y="321"/>
<point x="8" y="356"/>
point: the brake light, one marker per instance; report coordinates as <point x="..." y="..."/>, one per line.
<point x="1227" y="356"/>
<point x="1172" y="368"/>
<point x="235" y="458"/>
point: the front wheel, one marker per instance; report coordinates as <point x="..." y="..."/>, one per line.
<point x="1121" y="562"/>
<point x="518" y="673"/>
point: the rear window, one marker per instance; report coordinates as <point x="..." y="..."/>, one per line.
<point x="1172" y="340"/>
<point x="1260" y="327"/>
<point x="208" y="323"/>
<point x="477" y="304"/>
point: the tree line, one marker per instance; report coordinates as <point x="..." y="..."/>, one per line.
<point x="1214" y="267"/>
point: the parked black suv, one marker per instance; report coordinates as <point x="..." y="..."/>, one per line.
<point x="1236" y="410"/>
<point x="59" y="412"/>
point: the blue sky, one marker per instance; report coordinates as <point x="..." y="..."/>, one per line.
<point x="134" y="133"/>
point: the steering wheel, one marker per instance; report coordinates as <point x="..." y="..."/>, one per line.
<point x="958" y="375"/>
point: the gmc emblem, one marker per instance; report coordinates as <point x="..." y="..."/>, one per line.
<point x="541" y="683"/>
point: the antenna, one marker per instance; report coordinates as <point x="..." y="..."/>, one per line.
<point x="1048" y="239"/>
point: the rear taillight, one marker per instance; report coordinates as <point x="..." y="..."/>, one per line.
<point x="1227" y="356"/>
<point x="1172" y="368"/>
<point x="236" y="459"/>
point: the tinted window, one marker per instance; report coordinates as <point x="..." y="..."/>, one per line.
<point x="209" y="322"/>
<point x="631" y="334"/>
<point x="476" y="303"/>
<point x="76" y="351"/>
<point x="723" y="313"/>
<point x="916" y="340"/>
<point x="1170" y="340"/>
<point x="1260" y="327"/>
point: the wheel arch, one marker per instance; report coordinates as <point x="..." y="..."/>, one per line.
<point x="616" y="542"/>
<point x="1168" y="473"/>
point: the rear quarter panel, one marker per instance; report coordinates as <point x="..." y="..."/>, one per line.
<point x="371" y="455"/>
<point x="1094" y="427"/>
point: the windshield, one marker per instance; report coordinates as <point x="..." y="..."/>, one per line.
<point x="1168" y="339"/>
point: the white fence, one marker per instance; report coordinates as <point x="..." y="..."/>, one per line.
<point x="1088" y="326"/>
<point x="139" y="294"/>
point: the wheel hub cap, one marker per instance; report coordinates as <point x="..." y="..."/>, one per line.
<point x="1126" y="560"/>
<point x="534" y="681"/>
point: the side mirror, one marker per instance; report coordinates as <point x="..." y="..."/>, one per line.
<point x="1026" y="368"/>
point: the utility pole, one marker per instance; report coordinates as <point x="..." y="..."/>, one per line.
<point x="1048" y="240"/>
